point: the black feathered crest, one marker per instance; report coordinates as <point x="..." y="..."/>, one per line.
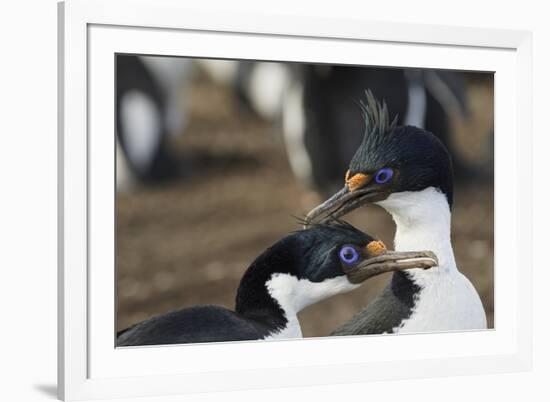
<point x="378" y="132"/>
<point x="377" y="121"/>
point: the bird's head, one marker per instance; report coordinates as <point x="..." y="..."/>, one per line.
<point x="390" y="160"/>
<point x="324" y="260"/>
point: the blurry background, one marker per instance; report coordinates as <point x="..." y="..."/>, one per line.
<point x="215" y="158"/>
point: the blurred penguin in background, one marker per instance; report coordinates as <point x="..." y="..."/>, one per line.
<point x="150" y="112"/>
<point x="259" y="86"/>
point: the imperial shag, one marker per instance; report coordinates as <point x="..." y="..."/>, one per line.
<point x="301" y="269"/>
<point x="408" y="172"/>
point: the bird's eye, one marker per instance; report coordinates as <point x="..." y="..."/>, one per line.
<point x="349" y="255"/>
<point x="383" y="176"/>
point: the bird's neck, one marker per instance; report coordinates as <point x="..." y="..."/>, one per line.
<point x="253" y="299"/>
<point x="255" y="303"/>
<point x="423" y="222"/>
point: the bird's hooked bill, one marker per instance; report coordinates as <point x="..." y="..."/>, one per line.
<point x="381" y="261"/>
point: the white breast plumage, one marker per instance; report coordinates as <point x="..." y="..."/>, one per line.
<point x="447" y="302"/>
<point x="447" y="299"/>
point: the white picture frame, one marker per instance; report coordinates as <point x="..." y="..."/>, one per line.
<point x="92" y="32"/>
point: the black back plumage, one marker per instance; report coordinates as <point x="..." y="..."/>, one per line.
<point x="204" y="323"/>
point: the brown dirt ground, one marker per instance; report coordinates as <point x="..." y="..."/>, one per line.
<point x="189" y="241"/>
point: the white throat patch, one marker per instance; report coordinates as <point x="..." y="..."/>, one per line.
<point x="423" y="222"/>
<point x="293" y="295"/>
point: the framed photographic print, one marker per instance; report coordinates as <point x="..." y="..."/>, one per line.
<point x="242" y="198"/>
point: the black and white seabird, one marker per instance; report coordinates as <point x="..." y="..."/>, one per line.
<point x="408" y="172"/>
<point x="301" y="269"/>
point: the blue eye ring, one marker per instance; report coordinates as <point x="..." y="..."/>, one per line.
<point x="348" y="255"/>
<point x="383" y="176"/>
